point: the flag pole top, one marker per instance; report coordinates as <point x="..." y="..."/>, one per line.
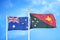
<point x="28" y="9"/>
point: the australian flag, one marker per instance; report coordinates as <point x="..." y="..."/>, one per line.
<point x="17" y="23"/>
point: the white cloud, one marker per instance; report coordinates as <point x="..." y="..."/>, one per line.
<point x="44" y="2"/>
<point x="53" y="7"/>
<point x="35" y="6"/>
<point x="21" y="12"/>
<point x="47" y="7"/>
<point x="36" y="2"/>
<point x="58" y="0"/>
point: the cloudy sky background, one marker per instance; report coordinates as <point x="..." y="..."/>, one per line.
<point x="19" y="8"/>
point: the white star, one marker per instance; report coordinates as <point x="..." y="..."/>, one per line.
<point x="25" y="19"/>
<point x="34" y="18"/>
<point x="35" y="25"/>
<point x="44" y="2"/>
<point x="37" y="21"/>
<point x="22" y="23"/>
<point x="32" y="21"/>
<point x="13" y="26"/>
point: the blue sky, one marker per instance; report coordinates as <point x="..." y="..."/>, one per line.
<point x="19" y="8"/>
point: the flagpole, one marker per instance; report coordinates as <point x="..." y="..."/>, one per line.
<point x="28" y="23"/>
<point x="6" y="26"/>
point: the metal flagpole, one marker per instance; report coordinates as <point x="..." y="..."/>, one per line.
<point x="28" y="23"/>
<point x="6" y="26"/>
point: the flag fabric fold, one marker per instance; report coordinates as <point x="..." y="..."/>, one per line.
<point x="42" y="21"/>
<point x="17" y="23"/>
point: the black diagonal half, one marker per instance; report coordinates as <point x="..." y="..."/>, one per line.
<point x="36" y="23"/>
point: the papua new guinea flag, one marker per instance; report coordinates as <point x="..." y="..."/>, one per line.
<point x="17" y="23"/>
<point x="42" y="21"/>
